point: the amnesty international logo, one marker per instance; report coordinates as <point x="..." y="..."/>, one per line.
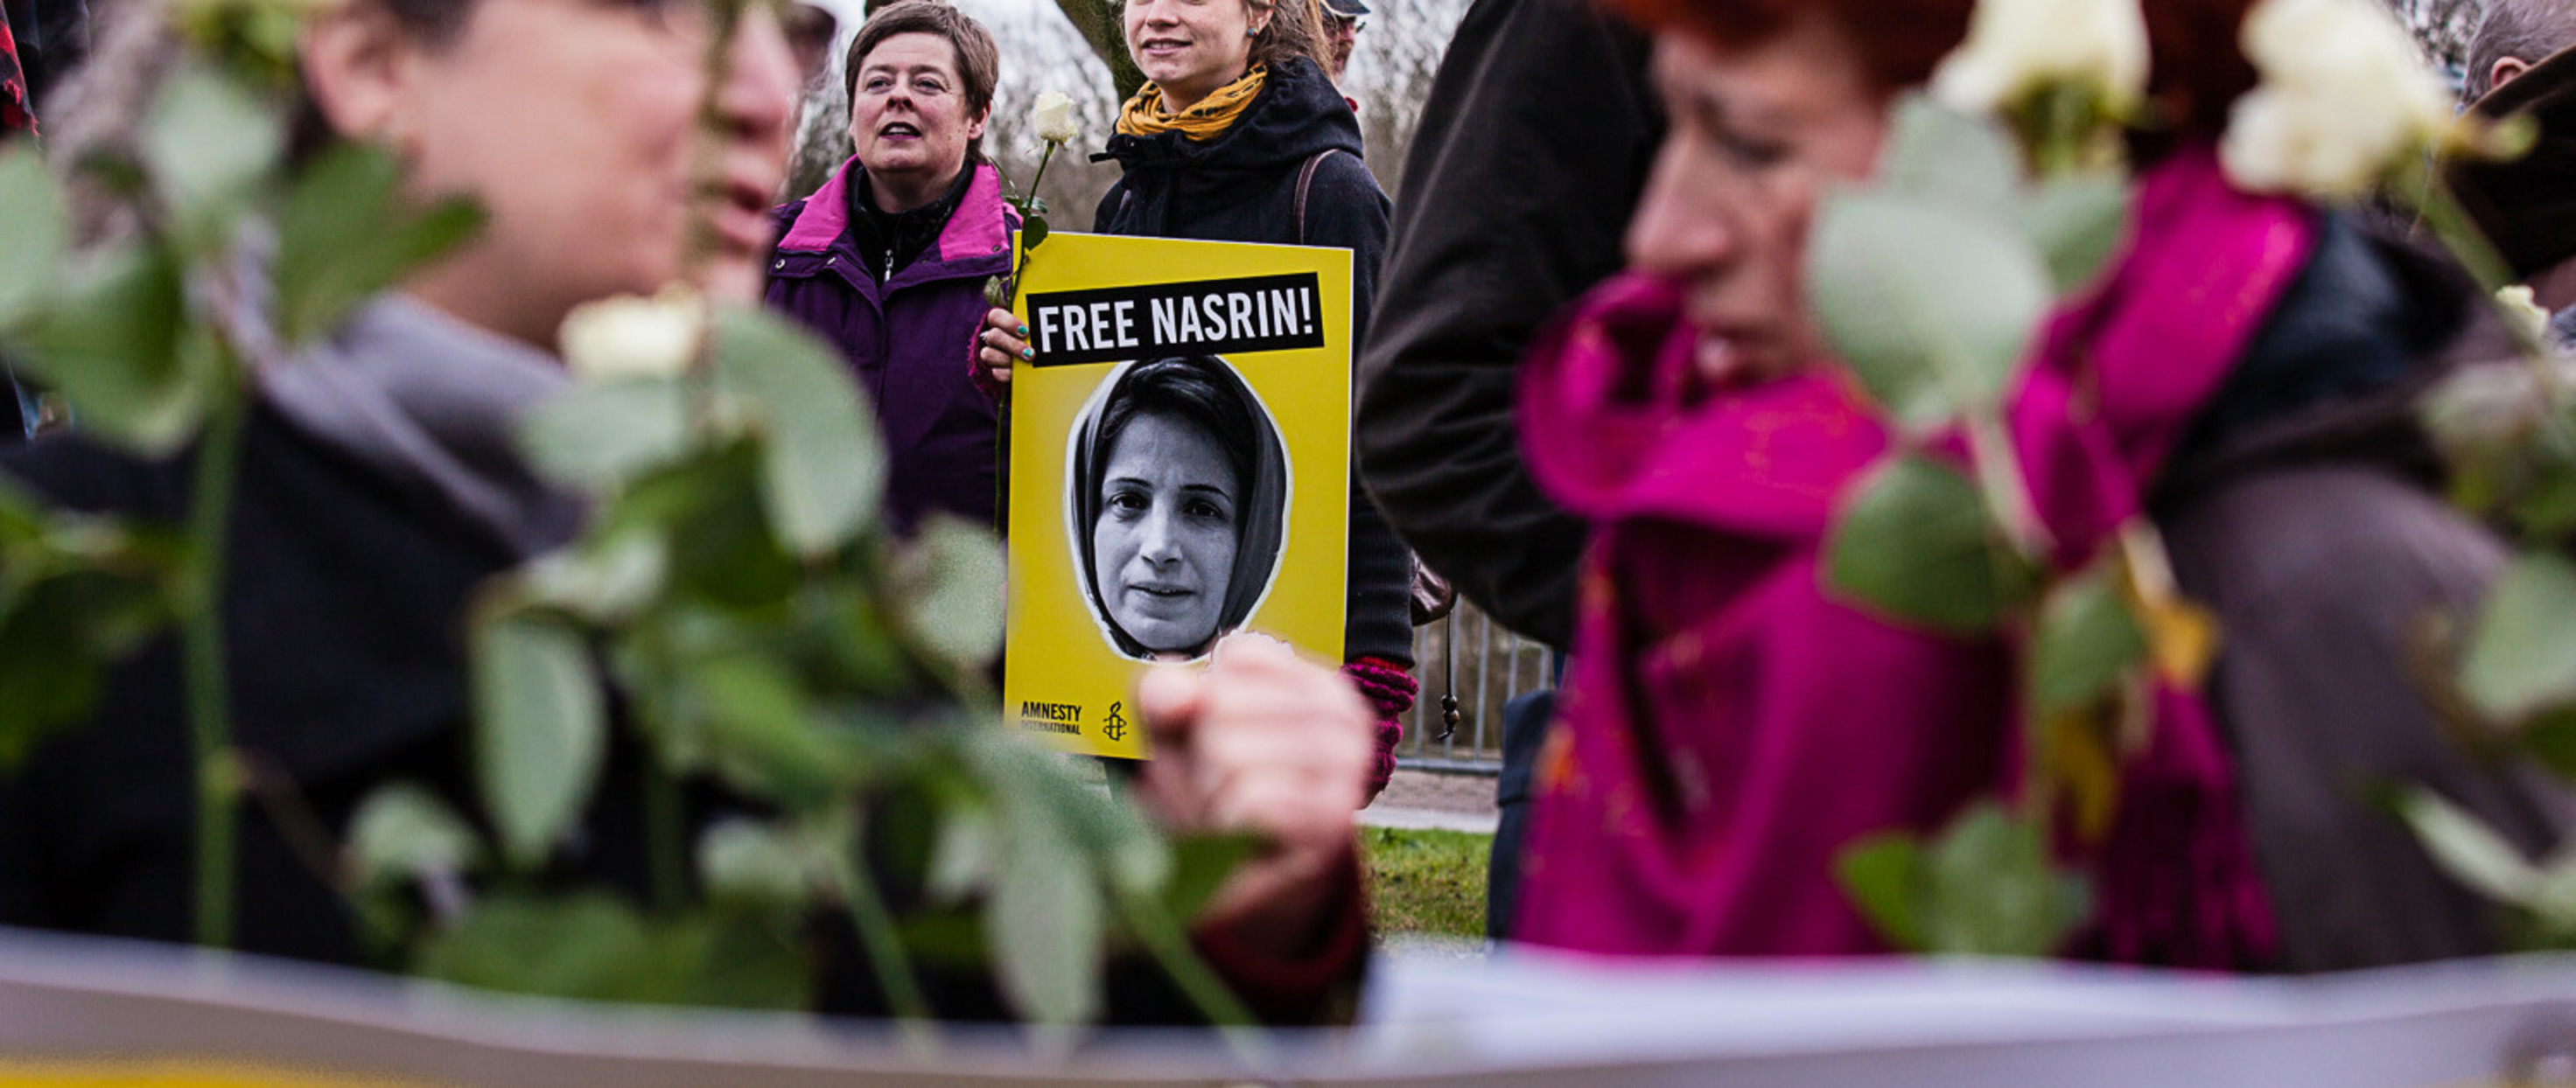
<point x="1115" y="727"/>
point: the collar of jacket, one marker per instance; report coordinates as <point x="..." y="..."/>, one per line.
<point x="892" y="240"/>
<point x="1298" y="114"/>
<point x="975" y="242"/>
<point x="430" y="401"/>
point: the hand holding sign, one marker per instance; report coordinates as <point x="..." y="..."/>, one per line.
<point x="1003" y="339"/>
<point x="1267" y="743"/>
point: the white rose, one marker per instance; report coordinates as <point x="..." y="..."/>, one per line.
<point x="2345" y="98"/>
<point x="1054" y="118"/>
<point x="2522" y="306"/>
<point x="629" y="337"/>
<point x="2016" y="47"/>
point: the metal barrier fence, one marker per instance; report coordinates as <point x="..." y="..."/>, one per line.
<point x="1491" y="667"/>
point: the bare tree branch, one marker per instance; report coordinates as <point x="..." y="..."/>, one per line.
<point x="1098" y="22"/>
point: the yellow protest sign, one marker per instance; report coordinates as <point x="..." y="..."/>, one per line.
<point x="1180" y="468"/>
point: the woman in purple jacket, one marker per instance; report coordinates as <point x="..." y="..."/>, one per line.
<point x="888" y="259"/>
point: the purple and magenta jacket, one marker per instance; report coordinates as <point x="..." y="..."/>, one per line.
<point x="910" y="339"/>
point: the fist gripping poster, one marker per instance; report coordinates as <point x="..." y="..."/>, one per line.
<point x="1180" y="468"/>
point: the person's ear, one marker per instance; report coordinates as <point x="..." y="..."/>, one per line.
<point x="2506" y="70"/>
<point x="975" y="125"/>
<point x="357" y="63"/>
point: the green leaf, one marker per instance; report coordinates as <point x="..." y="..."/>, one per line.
<point x="586" y="945"/>
<point x="761" y="734"/>
<point x="2078" y="223"/>
<point x="1969" y="162"/>
<point x="948" y="591"/>
<point x="594" y="947"/>
<point x="966" y="856"/>
<point x="404" y="831"/>
<point x="345" y="234"/>
<point x="113" y="344"/>
<point x="1930" y="306"/>
<point x="822" y="464"/>
<point x="608" y="581"/>
<point x="1200" y="865"/>
<point x="2521" y="658"/>
<point x="708" y="509"/>
<point x="738" y="961"/>
<point x="540" y="731"/>
<point x="1044" y="925"/>
<point x="754" y="865"/>
<point x="1883" y="876"/>
<point x="602" y="437"/>
<point x="858" y="642"/>
<point x="1030" y="787"/>
<point x="210" y="143"/>
<point x="2467" y="849"/>
<point x="59" y="635"/>
<point x="1919" y="545"/>
<point x="2551" y="739"/>
<point x="2086" y="641"/>
<point x="34" y="236"/>
<point x="1992" y="890"/>
<point x="1033" y="231"/>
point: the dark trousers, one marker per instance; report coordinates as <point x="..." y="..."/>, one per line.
<point x="1524" y="729"/>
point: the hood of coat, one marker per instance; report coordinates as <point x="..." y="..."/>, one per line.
<point x="815" y="231"/>
<point x="1298" y="113"/>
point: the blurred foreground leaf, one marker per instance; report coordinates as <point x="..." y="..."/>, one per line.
<point x="1919" y="545"/>
<point x="1985" y="887"/>
<point x="1931" y="307"/>
<point x="2521" y="656"/>
<point x="345" y="235"/>
<point x="823" y="465"/>
<point x="541" y="732"/>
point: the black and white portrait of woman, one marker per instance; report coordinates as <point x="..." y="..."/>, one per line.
<point x="1179" y="497"/>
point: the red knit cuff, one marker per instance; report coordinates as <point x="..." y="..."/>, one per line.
<point x="1390" y="690"/>
<point x="1322" y="985"/>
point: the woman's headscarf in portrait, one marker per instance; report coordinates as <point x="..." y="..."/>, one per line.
<point x="1204" y="391"/>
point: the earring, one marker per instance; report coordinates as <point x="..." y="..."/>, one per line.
<point x="1251" y="32"/>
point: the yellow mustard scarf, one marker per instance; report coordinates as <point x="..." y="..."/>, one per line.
<point x="1144" y="115"/>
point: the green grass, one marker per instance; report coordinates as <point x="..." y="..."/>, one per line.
<point x="1430" y="882"/>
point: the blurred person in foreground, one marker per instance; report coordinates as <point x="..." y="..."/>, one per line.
<point x="1730" y="725"/>
<point x="378" y="487"/>
<point x="1534" y="144"/>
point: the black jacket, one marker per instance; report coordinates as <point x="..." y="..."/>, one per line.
<point x="343" y="627"/>
<point x="1533" y="149"/>
<point x="2304" y="508"/>
<point x="1242" y="187"/>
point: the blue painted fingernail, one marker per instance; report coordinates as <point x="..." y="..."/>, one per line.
<point x="1029" y="353"/>
<point x="1024" y="332"/>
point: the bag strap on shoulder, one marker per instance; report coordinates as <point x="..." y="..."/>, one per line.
<point x="1306" y="181"/>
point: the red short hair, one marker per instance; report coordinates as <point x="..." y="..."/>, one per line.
<point x="2198" y="71"/>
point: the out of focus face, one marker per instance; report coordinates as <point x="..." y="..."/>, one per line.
<point x="1189" y="48"/>
<point x="1163" y="547"/>
<point x="1757" y="136"/>
<point x="573" y="121"/>
<point x="1341" y="34"/>
<point x="909" y="121"/>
